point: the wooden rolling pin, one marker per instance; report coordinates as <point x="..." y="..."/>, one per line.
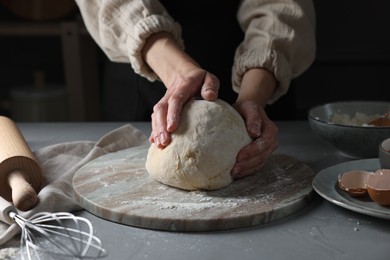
<point x="20" y="173"/>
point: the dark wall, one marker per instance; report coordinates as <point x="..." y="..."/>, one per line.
<point x="353" y="55"/>
<point x="353" y="62"/>
<point x="23" y="56"/>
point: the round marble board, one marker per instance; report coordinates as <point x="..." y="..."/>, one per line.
<point x="117" y="187"/>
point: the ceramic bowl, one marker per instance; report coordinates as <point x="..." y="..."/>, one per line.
<point x="344" y="125"/>
<point x="384" y="154"/>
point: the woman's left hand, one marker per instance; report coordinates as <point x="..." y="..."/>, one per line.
<point x="264" y="132"/>
<point x="256" y="89"/>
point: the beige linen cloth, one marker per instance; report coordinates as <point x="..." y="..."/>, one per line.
<point x="60" y="162"/>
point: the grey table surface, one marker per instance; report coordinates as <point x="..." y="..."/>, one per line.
<point x="321" y="230"/>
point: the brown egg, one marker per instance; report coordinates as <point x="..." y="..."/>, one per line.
<point x="354" y="182"/>
<point x="378" y="187"/>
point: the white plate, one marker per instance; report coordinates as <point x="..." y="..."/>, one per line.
<point x="325" y="184"/>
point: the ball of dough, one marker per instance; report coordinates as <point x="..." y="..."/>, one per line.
<point x="203" y="149"/>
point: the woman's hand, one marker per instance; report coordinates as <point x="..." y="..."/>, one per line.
<point x="166" y="113"/>
<point x="256" y="89"/>
<point x="183" y="78"/>
<point x="263" y="131"/>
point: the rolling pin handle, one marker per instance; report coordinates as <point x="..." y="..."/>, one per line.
<point x="24" y="196"/>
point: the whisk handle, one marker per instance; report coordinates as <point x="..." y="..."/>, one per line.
<point x="5" y="208"/>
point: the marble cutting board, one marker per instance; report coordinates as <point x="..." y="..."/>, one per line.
<point x="117" y="187"/>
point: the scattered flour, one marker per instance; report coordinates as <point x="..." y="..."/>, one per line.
<point x="265" y="191"/>
<point x="10" y="253"/>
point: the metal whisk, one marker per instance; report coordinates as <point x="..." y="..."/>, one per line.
<point x="58" y="235"/>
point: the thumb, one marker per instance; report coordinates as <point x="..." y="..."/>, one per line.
<point x="210" y="87"/>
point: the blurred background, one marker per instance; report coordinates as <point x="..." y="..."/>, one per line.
<point x="51" y="70"/>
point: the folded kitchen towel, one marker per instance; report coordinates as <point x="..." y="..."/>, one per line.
<point x="60" y="162"/>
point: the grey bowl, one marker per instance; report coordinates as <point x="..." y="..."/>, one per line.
<point x="384" y="154"/>
<point x="352" y="141"/>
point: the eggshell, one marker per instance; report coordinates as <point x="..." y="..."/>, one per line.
<point x="381" y="121"/>
<point x="354" y="182"/>
<point x="378" y="187"/>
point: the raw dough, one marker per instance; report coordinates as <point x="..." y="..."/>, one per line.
<point x="203" y="148"/>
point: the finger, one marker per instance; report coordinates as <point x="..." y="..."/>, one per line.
<point x="175" y="106"/>
<point x="248" y="166"/>
<point x="252" y="150"/>
<point x="154" y="127"/>
<point x="243" y="170"/>
<point x="251" y="158"/>
<point x="210" y="87"/>
<point x="161" y="135"/>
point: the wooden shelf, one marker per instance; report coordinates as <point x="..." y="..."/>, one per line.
<point x="79" y="54"/>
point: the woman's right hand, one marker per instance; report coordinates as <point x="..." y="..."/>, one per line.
<point x="183" y="78"/>
<point x="166" y="113"/>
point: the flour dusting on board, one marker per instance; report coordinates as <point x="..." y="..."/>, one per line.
<point x="125" y="193"/>
<point x="259" y="191"/>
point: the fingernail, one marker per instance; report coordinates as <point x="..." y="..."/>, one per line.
<point x="236" y="172"/>
<point x="255" y="129"/>
<point x="163" y="138"/>
<point x="211" y="93"/>
<point x="170" y="123"/>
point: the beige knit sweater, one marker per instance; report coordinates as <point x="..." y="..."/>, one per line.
<point x="279" y="35"/>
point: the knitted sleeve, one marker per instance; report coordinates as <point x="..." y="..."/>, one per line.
<point x="121" y="28"/>
<point x="279" y="36"/>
